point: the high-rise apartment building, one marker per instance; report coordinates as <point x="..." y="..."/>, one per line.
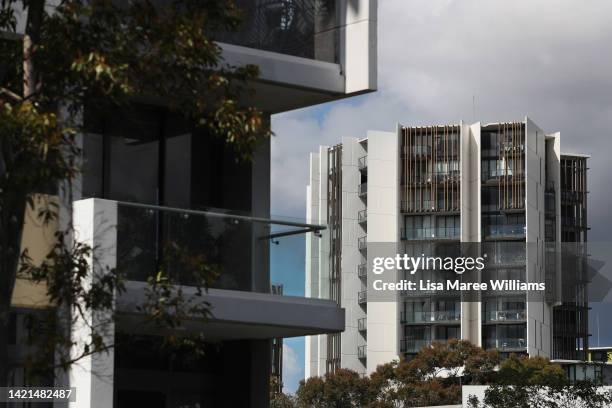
<point x="151" y="181"/>
<point x="504" y="186"/>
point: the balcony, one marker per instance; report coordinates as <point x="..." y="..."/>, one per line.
<point x="505" y="344"/>
<point x="504" y="232"/>
<point x="501" y="173"/>
<point x="362" y="163"/>
<point x="362" y="297"/>
<point x="362" y="216"/>
<point x="362" y="324"/>
<point x="362" y="243"/>
<point x="413" y="346"/>
<point x="362" y="352"/>
<point x="228" y="254"/>
<point x="437" y="176"/>
<point x="362" y="190"/>
<point x="420" y="150"/>
<point x="504" y="315"/>
<point x="362" y="270"/>
<point x="426" y="234"/>
<point x="443" y="316"/>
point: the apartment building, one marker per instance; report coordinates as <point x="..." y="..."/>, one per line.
<point x="149" y="178"/>
<point x="504" y="189"/>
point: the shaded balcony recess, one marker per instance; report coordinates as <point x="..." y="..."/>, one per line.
<point x="441" y="316"/>
<point x="504" y="231"/>
<point x="362" y="243"/>
<point x="413" y="346"/>
<point x="506" y="343"/>
<point x="362" y="352"/>
<point x="363" y="190"/>
<point x="362" y="216"/>
<point x="504" y="315"/>
<point x="362" y="324"/>
<point x="362" y="163"/>
<point x="362" y="270"/>
<point x="424" y="234"/>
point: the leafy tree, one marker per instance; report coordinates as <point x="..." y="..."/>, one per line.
<point x="342" y="389"/>
<point x="435" y="376"/>
<point x="101" y="55"/>
<point x="536" y="382"/>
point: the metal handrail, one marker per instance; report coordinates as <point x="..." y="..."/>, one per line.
<point x="306" y="227"/>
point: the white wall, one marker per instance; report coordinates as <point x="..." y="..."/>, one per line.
<point x="383" y="219"/>
<point x="352" y="150"/>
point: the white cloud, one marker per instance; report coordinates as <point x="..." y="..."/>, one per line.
<point x="293" y="369"/>
<point x="548" y="59"/>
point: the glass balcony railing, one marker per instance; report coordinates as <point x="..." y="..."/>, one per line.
<point x="302" y="28"/>
<point x="362" y="216"/>
<point x="504" y="315"/>
<point x="413" y="346"/>
<point x="430" y="233"/>
<point x="362" y="243"/>
<point x="362" y="163"/>
<point x="504" y="231"/>
<point x="421" y="150"/>
<point x="443" y="316"/>
<point x="362" y="324"/>
<point x="231" y="251"/>
<point x="505" y="343"/>
<point x="437" y="176"/>
<point x="362" y="190"/>
<point x="362" y="351"/>
<point x="362" y="297"/>
<point x="496" y="174"/>
<point x="362" y="270"/>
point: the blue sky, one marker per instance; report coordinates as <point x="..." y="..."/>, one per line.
<point x="548" y="59"/>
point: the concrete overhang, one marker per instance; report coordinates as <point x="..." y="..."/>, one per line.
<point x="287" y="82"/>
<point x="241" y="315"/>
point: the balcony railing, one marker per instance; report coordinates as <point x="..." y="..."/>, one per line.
<point x="362" y="216"/>
<point x="420" y="150"/>
<point x="362" y="243"/>
<point x="437" y="176"/>
<point x="362" y="270"/>
<point x="362" y="351"/>
<point x="504" y="231"/>
<point x="362" y="324"/>
<point x="496" y="174"/>
<point x="362" y="163"/>
<point x="413" y="346"/>
<point x="304" y="28"/>
<point x="430" y="233"/>
<point x="362" y="190"/>
<point x="443" y="316"/>
<point x="181" y="242"/>
<point x="504" y="315"/>
<point x="362" y="297"/>
<point x="505" y="343"/>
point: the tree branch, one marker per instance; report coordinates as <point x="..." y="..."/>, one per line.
<point x="10" y="94"/>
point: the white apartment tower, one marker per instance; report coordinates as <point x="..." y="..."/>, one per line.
<point x="490" y="184"/>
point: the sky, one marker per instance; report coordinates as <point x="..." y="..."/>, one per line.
<point x="442" y="61"/>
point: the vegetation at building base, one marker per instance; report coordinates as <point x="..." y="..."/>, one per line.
<point x="435" y="376"/>
<point x="100" y="55"/>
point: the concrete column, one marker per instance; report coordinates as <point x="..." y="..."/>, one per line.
<point x="95" y="224"/>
